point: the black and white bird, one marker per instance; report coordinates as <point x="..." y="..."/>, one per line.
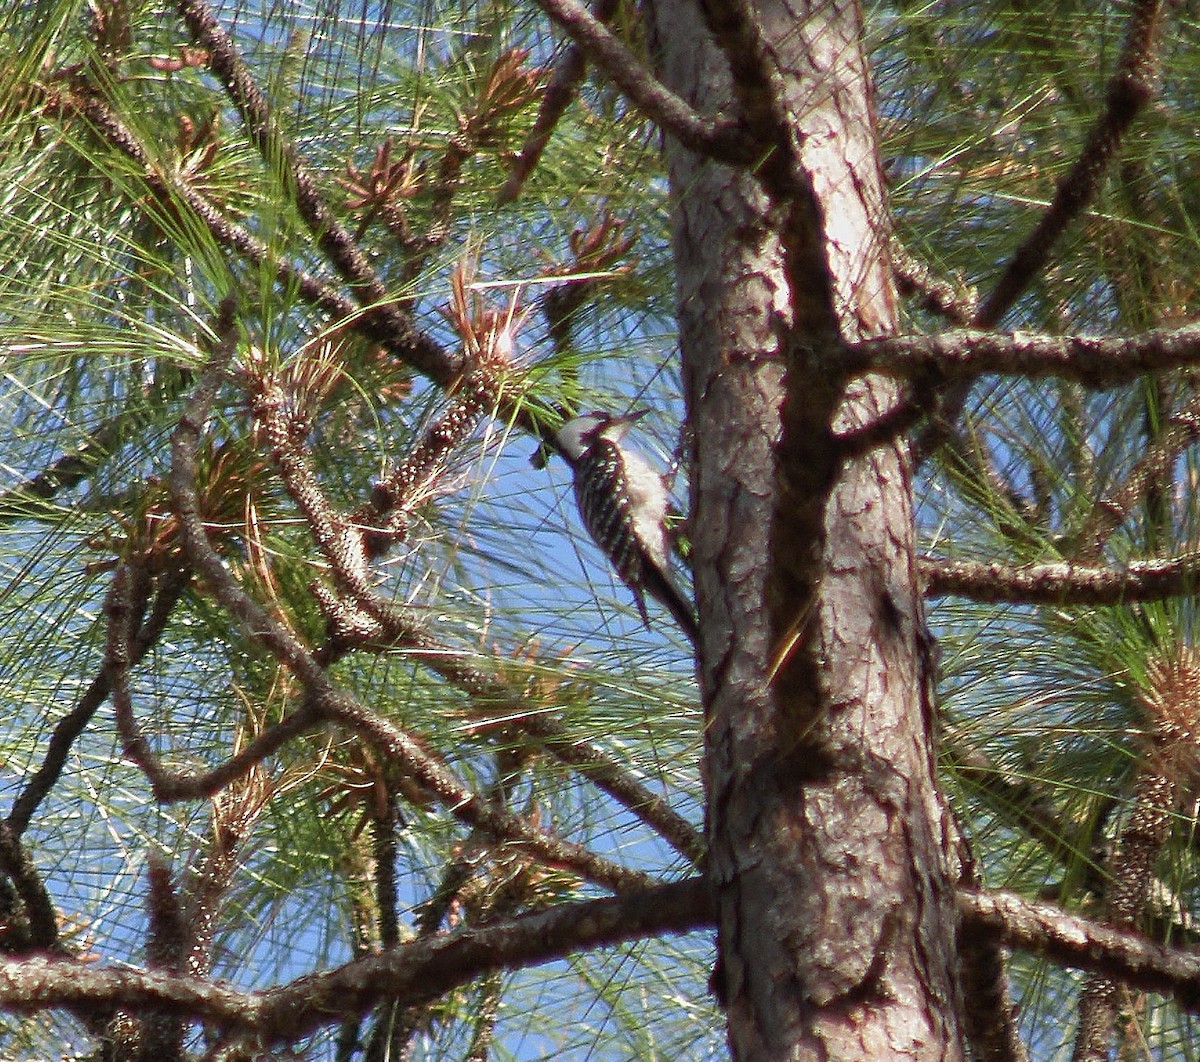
<point x="624" y="503"/>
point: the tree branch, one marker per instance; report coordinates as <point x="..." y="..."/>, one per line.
<point x="1023" y="804"/>
<point x="561" y="89"/>
<point x="411" y="972"/>
<point x="1083" y="944"/>
<point x="427" y="967"/>
<point x="1093" y="361"/>
<point x="38" y="907"/>
<point x="511" y="711"/>
<point x="1062" y="583"/>
<point x="350" y="263"/>
<point x="170" y="589"/>
<point x="1129" y="90"/>
<point x="170" y="786"/>
<point x="720" y="139"/>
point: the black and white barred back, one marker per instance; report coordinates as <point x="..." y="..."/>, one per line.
<point x="623" y="503"/>
<point x="607" y="508"/>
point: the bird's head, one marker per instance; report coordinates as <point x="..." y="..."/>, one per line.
<point x="578" y="434"/>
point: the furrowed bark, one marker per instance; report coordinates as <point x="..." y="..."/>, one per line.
<point x="830" y="851"/>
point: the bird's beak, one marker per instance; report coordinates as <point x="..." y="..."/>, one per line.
<point x="631" y="417"/>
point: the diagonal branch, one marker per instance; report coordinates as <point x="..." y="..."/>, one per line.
<point x="383" y="322"/>
<point x="558" y="94"/>
<point x="1130" y="89"/>
<point x="170" y="589"/>
<point x="331" y="236"/>
<point x="935" y="295"/>
<point x="1022" y="803"/>
<point x="395" y="628"/>
<point x="719" y="139"/>
<point x="72" y="468"/>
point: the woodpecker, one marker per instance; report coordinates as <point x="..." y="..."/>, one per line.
<point x="624" y="502"/>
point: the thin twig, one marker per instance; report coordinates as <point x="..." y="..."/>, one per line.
<point x="170" y="786"/>
<point x="170" y="589"/>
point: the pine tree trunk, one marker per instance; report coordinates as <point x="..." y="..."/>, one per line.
<point x="830" y="851"/>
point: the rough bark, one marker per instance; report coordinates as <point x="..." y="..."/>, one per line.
<point x="829" y="848"/>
